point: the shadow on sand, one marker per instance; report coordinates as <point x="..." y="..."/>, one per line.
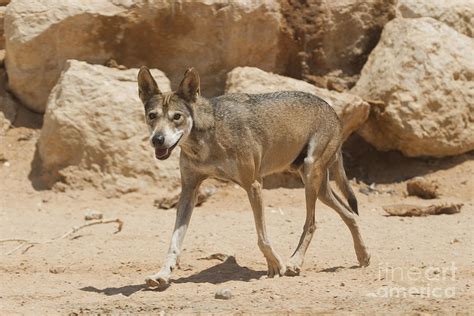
<point x="228" y="270"/>
<point x="338" y="268"/>
<point x="124" y="290"/>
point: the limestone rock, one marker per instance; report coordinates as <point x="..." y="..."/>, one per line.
<point x="211" y="35"/>
<point x="423" y="72"/>
<point x="94" y="130"/>
<point x="423" y="188"/>
<point x="352" y="110"/>
<point x="8" y="111"/>
<point x="223" y="294"/>
<point x="8" y="105"/>
<point x="458" y="14"/>
<point x="2" y="36"/>
<point x="336" y="35"/>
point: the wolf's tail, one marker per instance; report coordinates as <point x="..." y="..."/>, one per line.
<point x="339" y="175"/>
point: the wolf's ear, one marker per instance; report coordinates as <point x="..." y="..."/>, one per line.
<point x="147" y="86"/>
<point x="189" y="88"/>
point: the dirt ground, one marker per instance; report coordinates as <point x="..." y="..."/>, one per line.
<point x="419" y="264"/>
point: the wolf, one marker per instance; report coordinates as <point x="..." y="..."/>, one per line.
<point x="242" y="138"/>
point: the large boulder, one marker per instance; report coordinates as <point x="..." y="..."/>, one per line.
<point x="423" y="73"/>
<point x="351" y="109"/>
<point x="459" y="14"/>
<point x="211" y="35"/>
<point x="94" y="130"/>
<point x="335" y="37"/>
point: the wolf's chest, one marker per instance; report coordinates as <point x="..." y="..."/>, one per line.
<point x="222" y="169"/>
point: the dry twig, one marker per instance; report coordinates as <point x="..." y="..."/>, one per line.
<point x="29" y="244"/>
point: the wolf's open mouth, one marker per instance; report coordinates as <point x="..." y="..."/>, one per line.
<point x="164" y="153"/>
<point x="161" y="153"/>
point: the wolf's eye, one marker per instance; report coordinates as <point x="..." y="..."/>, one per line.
<point x="177" y="117"/>
<point x="151" y="116"/>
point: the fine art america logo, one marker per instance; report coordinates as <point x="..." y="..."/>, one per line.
<point x="426" y="282"/>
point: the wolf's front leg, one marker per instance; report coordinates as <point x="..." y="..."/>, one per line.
<point x="186" y="204"/>
<point x="274" y="262"/>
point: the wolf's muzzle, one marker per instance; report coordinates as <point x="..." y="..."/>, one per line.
<point x="158" y="140"/>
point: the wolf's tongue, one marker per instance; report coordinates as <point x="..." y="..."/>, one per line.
<point x="161" y="152"/>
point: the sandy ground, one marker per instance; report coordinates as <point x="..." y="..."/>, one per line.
<point x="419" y="264"/>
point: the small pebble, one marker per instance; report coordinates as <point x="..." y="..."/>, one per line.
<point x="57" y="270"/>
<point x="93" y="215"/>
<point x="223" y="294"/>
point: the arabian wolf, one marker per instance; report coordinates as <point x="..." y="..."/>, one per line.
<point x="242" y="138"/>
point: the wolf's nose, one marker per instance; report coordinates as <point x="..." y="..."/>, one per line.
<point x="158" y="140"/>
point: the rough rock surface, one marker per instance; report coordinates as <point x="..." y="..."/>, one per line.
<point x="458" y="14"/>
<point x="336" y="36"/>
<point x="94" y="131"/>
<point x="352" y="110"/>
<point x="212" y="35"/>
<point x="8" y="106"/>
<point x="2" y="36"/>
<point x="223" y="294"/>
<point x="423" y="188"/>
<point x="423" y="71"/>
<point x="8" y="111"/>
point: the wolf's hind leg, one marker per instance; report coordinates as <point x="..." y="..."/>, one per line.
<point x="312" y="180"/>
<point x="326" y="195"/>
<point x="321" y="152"/>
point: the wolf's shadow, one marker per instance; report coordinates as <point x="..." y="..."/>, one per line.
<point x="229" y="270"/>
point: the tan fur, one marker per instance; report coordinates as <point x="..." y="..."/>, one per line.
<point x="242" y="138"/>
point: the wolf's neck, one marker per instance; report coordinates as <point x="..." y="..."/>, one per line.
<point x="196" y="147"/>
<point x="203" y="115"/>
<point x="202" y="131"/>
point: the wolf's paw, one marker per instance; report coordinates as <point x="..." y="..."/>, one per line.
<point x="292" y="270"/>
<point x="293" y="267"/>
<point x="364" y="260"/>
<point x="158" y="280"/>
<point x="275" y="268"/>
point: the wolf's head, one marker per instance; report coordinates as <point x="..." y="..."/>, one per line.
<point x="168" y="115"/>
